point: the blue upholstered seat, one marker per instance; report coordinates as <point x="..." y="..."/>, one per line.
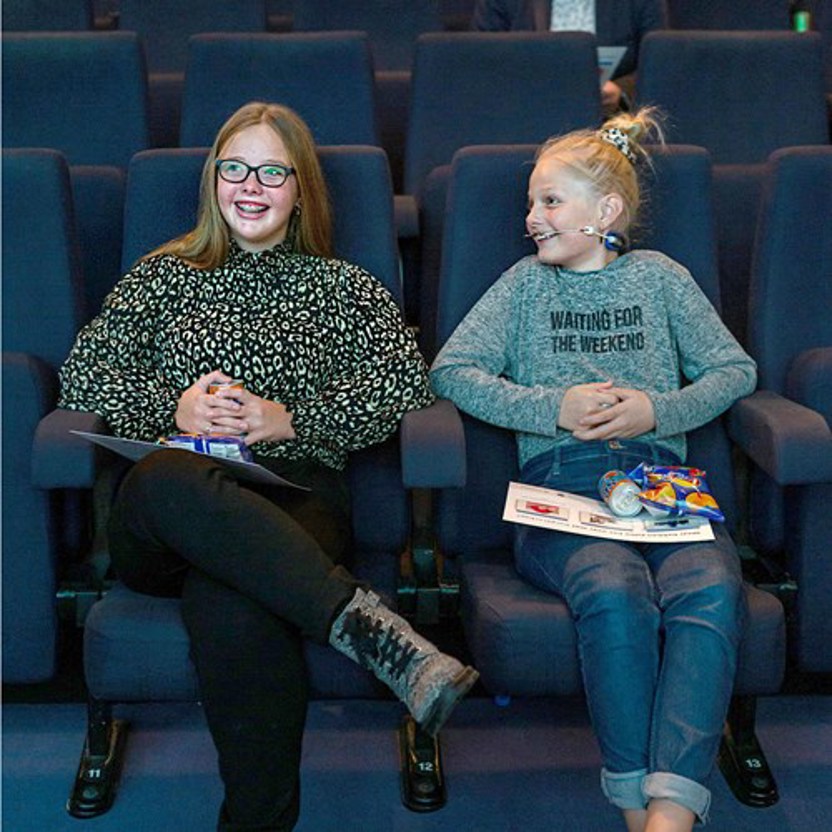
<point x="741" y="95"/>
<point x="478" y="88"/>
<point x="165" y="27"/>
<point x="523" y="640"/>
<point x="42" y="306"/>
<point x="327" y="77"/>
<point x="361" y="237"/>
<point x="84" y="94"/>
<point x="125" y="631"/>
<point x="785" y="426"/>
<point x="135" y="646"/>
<point x="491" y="88"/>
<point x="47" y="15"/>
<point x="392" y="25"/>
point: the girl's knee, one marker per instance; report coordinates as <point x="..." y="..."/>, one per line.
<point x="619" y="591"/>
<point x="162" y="473"/>
<point x="611" y="572"/>
<point x="712" y="595"/>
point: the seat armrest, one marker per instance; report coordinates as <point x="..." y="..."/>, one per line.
<point x="406" y="213"/>
<point x="433" y="447"/>
<point x="59" y="458"/>
<point x="790" y="442"/>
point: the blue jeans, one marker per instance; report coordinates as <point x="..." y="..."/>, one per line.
<point x="658" y="629"/>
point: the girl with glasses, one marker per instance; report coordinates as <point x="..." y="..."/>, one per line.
<point x="323" y="365"/>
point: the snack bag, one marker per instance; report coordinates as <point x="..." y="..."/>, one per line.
<point x="227" y="447"/>
<point x="675" y="491"/>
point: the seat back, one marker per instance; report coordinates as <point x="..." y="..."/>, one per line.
<point x="326" y="77"/>
<point x="47" y="15"/>
<point x="29" y="614"/>
<point x="824" y="24"/>
<point x="149" y="221"/>
<point x="739" y="14"/>
<point x="356" y="176"/>
<point x="790" y="299"/>
<point x="473" y="88"/>
<point x="83" y="93"/>
<point x="737" y="193"/>
<point x="41" y="313"/>
<point x="98" y="193"/>
<point x="790" y="337"/>
<point x="457" y="14"/>
<point x="790" y="303"/>
<point x="741" y="95"/>
<point x="392" y="25"/>
<point x="165" y="25"/>
<point x="42" y="288"/>
<point x="522" y="639"/>
<point x="484" y="235"/>
<point x="480" y="243"/>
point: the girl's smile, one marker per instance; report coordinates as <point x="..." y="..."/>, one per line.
<point x="258" y="216"/>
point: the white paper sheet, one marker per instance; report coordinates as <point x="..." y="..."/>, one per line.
<point x="609" y="57"/>
<point x="136" y="449"/>
<point x="560" y="511"/>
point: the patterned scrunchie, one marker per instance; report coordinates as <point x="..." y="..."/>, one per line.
<point x="619" y="139"/>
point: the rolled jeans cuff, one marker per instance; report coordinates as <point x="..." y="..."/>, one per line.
<point x="663" y="785"/>
<point x="624" y="789"/>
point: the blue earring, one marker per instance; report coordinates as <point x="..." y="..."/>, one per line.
<point x="613" y="241"/>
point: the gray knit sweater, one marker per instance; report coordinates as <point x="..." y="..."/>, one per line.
<point x="641" y="322"/>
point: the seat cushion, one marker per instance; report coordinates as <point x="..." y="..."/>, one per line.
<point x="523" y="640"/>
<point x="29" y="541"/>
<point x="136" y="649"/>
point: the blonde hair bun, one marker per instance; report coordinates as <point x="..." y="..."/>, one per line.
<point x="644" y="126"/>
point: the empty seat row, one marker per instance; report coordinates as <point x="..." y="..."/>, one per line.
<point x="713" y="69"/>
<point x="466" y="89"/>
<point x="42" y="297"/>
<point x="392" y="25"/>
<point x="314" y="14"/>
<point x="750" y="15"/>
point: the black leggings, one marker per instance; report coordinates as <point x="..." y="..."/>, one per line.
<point x="256" y="569"/>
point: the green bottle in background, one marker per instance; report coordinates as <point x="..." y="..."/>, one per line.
<point x="800" y="15"/>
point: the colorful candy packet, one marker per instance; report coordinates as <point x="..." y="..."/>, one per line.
<point x="675" y="491"/>
<point x="228" y="447"/>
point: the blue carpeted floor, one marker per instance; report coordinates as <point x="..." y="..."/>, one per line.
<point x="532" y="766"/>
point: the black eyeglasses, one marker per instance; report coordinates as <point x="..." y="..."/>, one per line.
<point x="269" y="175"/>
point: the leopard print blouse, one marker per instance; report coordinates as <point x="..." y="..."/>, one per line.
<point x="321" y="336"/>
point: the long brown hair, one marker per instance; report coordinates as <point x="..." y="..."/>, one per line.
<point x="310" y="230"/>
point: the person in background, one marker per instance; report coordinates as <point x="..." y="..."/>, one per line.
<point x="326" y="366"/>
<point x="600" y="359"/>
<point x="614" y="22"/>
